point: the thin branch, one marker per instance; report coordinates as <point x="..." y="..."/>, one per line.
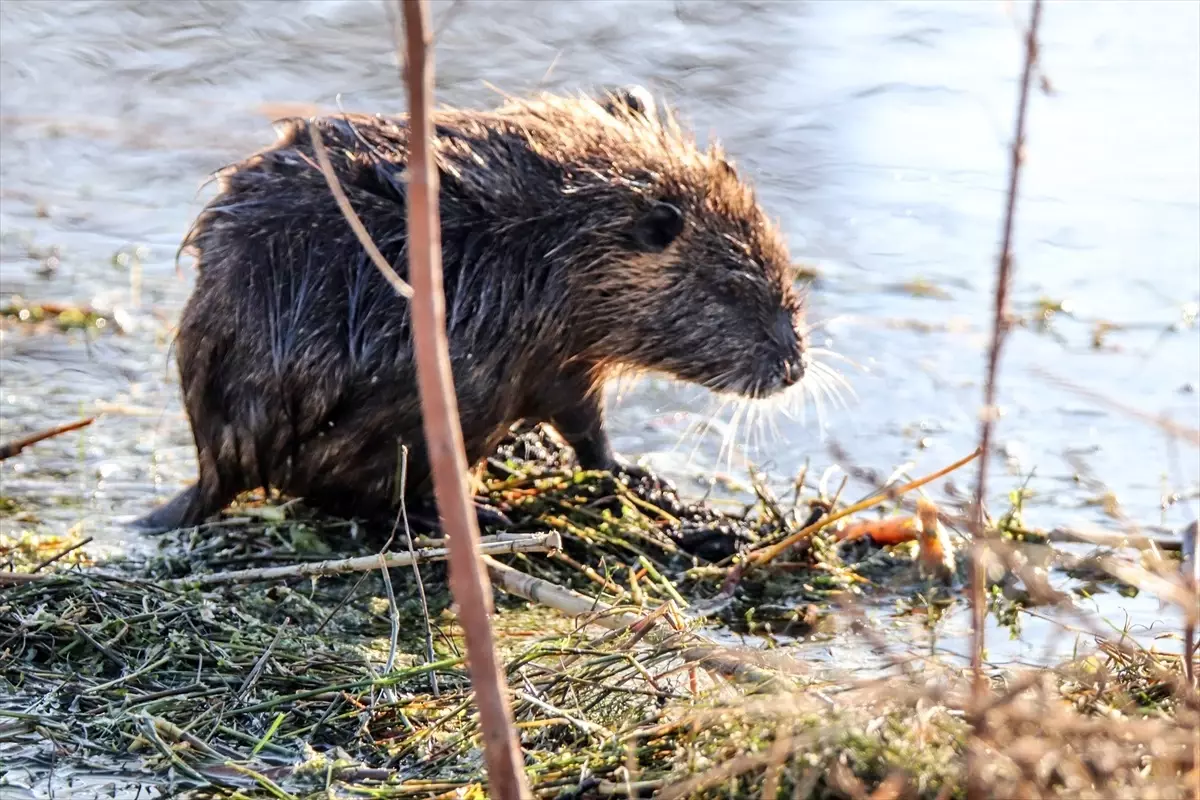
<point x="443" y="435"/>
<point x="394" y="619"/>
<point x="1100" y="538"/>
<point x="1191" y="577"/>
<point x="560" y="598"/>
<point x="590" y="728"/>
<point x="531" y="543"/>
<point x="770" y="553"/>
<point x="10" y="449"/>
<point x="1000" y="324"/>
<point x="61" y="554"/>
<point x="335" y="187"/>
<point x="429" y="655"/>
<point x="705" y="652"/>
<point x="503" y="544"/>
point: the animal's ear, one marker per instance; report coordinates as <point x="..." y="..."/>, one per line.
<point x="635" y="99"/>
<point x="658" y="227"/>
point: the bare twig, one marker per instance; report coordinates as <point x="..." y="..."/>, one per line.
<point x="531" y="543"/>
<point x="394" y="618"/>
<point x="429" y="655"/>
<point x="261" y="663"/>
<point x="1163" y="423"/>
<point x="1000" y="325"/>
<point x="1191" y="577"/>
<point x="335" y="187"/>
<point x="20" y="578"/>
<point x="503" y="544"/>
<point x="590" y="728"/>
<point x="443" y="435"/>
<point x="705" y="652"/>
<point x="61" y="554"/>
<point x="568" y="601"/>
<point x="1136" y="541"/>
<point x="10" y="449"/>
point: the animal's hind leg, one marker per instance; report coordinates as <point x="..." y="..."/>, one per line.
<point x="362" y="484"/>
<point x="172" y="515"/>
<point x="191" y="506"/>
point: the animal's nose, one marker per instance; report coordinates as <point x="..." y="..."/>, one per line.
<point x="792" y="372"/>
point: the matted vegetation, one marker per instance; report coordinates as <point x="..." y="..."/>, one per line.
<point x="324" y="687"/>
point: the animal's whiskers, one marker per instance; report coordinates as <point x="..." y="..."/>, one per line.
<point x="753" y="422"/>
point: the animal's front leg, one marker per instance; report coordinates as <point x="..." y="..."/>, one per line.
<point x="580" y="421"/>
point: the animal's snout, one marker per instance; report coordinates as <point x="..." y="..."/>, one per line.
<point x="785" y="335"/>
<point x="788" y="339"/>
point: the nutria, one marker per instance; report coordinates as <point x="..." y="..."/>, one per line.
<point x="581" y="238"/>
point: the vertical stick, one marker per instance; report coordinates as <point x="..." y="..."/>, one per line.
<point x="999" y="330"/>
<point x="469" y="581"/>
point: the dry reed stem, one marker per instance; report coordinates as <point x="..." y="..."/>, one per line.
<point x="567" y="601"/>
<point x="1190" y="569"/>
<point x="704" y="652"/>
<point x="61" y="554"/>
<point x="769" y="554"/>
<point x="999" y="330"/>
<point x="1136" y="541"/>
<point x="469" y="582"/>
<point x="532" y="543"/>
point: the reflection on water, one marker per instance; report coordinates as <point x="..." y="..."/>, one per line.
<point x="875" y="131"/>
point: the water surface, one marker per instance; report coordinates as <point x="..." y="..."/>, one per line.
<point x="876" y="133"/>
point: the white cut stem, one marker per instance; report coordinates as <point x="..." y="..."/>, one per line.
<point x="531" y="543"/>
<point x="705" y="653"/>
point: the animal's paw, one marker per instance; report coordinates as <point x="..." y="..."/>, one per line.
<point x="637" y="476"/>
<point x="712" y="543"/>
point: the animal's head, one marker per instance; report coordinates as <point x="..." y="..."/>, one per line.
<point x="695" y="280"/>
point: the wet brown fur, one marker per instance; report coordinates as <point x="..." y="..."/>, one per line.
<point x="561" y="268"/>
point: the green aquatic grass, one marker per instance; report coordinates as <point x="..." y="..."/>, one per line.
<point x="282" y="689"/>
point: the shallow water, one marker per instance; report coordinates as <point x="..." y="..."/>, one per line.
<point x="876" y="132"/>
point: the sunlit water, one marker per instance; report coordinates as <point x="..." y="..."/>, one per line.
<point x="876" y="132"/>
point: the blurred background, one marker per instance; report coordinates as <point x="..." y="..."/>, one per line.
<point x="877" y="132"/>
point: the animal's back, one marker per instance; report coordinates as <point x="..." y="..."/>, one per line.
<point x="296" y="355"/>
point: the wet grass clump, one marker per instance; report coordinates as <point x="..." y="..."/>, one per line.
<point x="350" y="686"/>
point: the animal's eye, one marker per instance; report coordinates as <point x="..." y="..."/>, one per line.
<point x="658" y="227"/>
